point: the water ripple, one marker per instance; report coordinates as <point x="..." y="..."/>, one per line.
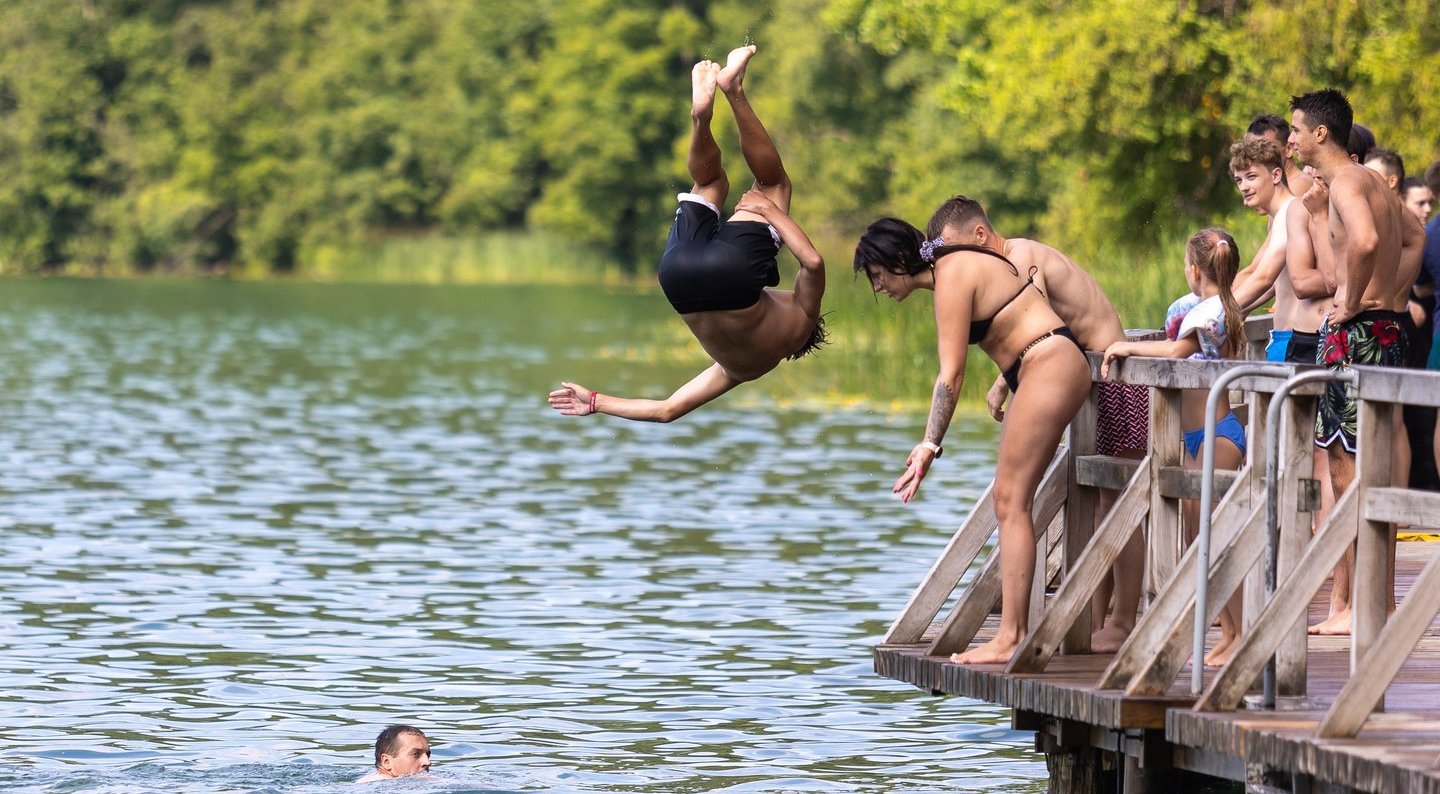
<point x="250" y="524"/>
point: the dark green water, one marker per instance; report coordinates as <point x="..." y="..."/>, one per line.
<point x="248" y="525"/>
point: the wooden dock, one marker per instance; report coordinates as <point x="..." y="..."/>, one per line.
<point x="1352" y="714"/>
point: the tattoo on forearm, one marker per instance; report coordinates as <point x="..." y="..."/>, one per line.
<point x="942" y="408"/>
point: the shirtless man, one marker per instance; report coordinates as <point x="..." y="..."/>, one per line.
<point x="1386" y="163"/>
<point x="717" y="274"/>
<point x="1258" y="167"/>
<point x="1365" y="320"/>
<point x="1123" y="411"/>
<point x="400" y="751"/>
<point x="1278" y="130"/>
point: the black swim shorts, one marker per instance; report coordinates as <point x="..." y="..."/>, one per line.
<point x="709" y="265"/>
<point x="1304" y="348"/>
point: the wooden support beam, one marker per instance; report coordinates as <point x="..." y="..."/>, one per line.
<point x="1170" y="373"/>
<point x="1405" y="386"/>
<point x="1079" y="586"/>
<point x="1401" y="506"/>
<point x="1293" y="513"/>
<point x="1253" y="596"/>
<point x="1228" y="570"/>
<point x="1291" y="600"/>
<point x="1080" y="505"/>
<point x="1022" y="720"/>
<point x="1165" y="624"/>
<point x="1163" y="546"/>
<point x="1178" y="482"/>
<point x="984" y="591"/>
<point x="1104" y="471"/>
<point x="964" y="546"/>
<point x="1366" y="687"/>
<point x="1371" y="586"/>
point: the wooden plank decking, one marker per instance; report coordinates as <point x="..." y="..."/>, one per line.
<point x="1396" y="751"/>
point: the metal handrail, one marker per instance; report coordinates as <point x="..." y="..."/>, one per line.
<point x="1272" y="484"/>
<point x="1207" y="499"/>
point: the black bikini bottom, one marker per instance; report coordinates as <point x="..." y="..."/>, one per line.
<point x="1012" y="373"/>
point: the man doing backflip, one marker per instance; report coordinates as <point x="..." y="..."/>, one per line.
<point x="718" y="274"/>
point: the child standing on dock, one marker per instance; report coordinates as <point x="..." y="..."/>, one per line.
<point x="1209" y="325"/>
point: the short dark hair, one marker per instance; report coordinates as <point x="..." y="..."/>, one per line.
<point x="892" y="245"/>
<point x="1329" y="108"/>
<point x="1390" y="159"/>
<point x="1269" y="122"/>
<point x="1362" y="142"/>
<point x="1412" y="182"/>
<point x="1432" y="177"/>
<point x="819" y="337"/>
<point x="388" y="742"/>
<point x="957" y="211"/>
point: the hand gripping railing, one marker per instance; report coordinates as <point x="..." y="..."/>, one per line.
<point x="1207" y="503"/>
<point x="1272" y="485"/>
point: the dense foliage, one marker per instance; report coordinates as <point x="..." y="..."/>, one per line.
<point x="166" y="133"/>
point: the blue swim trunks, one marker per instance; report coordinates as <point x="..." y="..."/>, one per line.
<point x="1279" y="343"/>
<point x="1229" y="427"/>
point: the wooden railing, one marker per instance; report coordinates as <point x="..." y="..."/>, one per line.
<point x="1076" y="552"/>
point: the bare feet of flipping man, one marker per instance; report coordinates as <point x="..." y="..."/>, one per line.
<point x="732" y="76"/>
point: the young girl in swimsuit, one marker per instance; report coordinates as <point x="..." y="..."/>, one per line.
<point x="1208" y="325"/>
<point x="981" y="298"/>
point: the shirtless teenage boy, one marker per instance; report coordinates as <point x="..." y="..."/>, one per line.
<point x="718" y="275"/>
<point x="1123" y="411"/>
<point x="1278" y="130"/>
<point x="1258" y="167"/>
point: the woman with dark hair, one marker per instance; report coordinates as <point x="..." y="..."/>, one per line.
<point x="983" y="299"/>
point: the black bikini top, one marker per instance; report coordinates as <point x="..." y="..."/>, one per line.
<point x="979" y="329"/>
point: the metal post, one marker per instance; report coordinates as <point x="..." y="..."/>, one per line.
<point x="1272" y="485"/>
<point x="1207" y="499"/>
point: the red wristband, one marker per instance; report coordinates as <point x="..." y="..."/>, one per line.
<point x="593" y="395"/>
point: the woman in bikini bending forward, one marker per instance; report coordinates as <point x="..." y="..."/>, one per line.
<point x="982" y="299"/>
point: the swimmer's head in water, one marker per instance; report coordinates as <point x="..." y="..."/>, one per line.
<point x="402" y="750"/>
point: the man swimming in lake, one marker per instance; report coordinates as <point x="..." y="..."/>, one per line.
<point x="718" y="274"/>
<point x="400" y="751"/>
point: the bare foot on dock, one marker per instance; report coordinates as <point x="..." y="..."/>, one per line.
<point x="1220" y="654"/>
<point x="1108" y="639"/>
<point x="992" y="652"/>
<point x="702" y="89"/>
<point x="1339" y="601"/>
<point x="1337" y="625"/>
<point x="732" y="76"/>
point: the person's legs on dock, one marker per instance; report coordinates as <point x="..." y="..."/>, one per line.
<point x="1056" y="383"/>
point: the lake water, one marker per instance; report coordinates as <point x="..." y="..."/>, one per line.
<point x="248" y="525"/>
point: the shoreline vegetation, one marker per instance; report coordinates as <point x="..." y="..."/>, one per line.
<point x="494" y="143"/>
<point x="872" y="335"/>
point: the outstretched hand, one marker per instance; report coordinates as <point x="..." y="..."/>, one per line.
<point x="571" y="399"/>
<point x="916" y="467"/>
